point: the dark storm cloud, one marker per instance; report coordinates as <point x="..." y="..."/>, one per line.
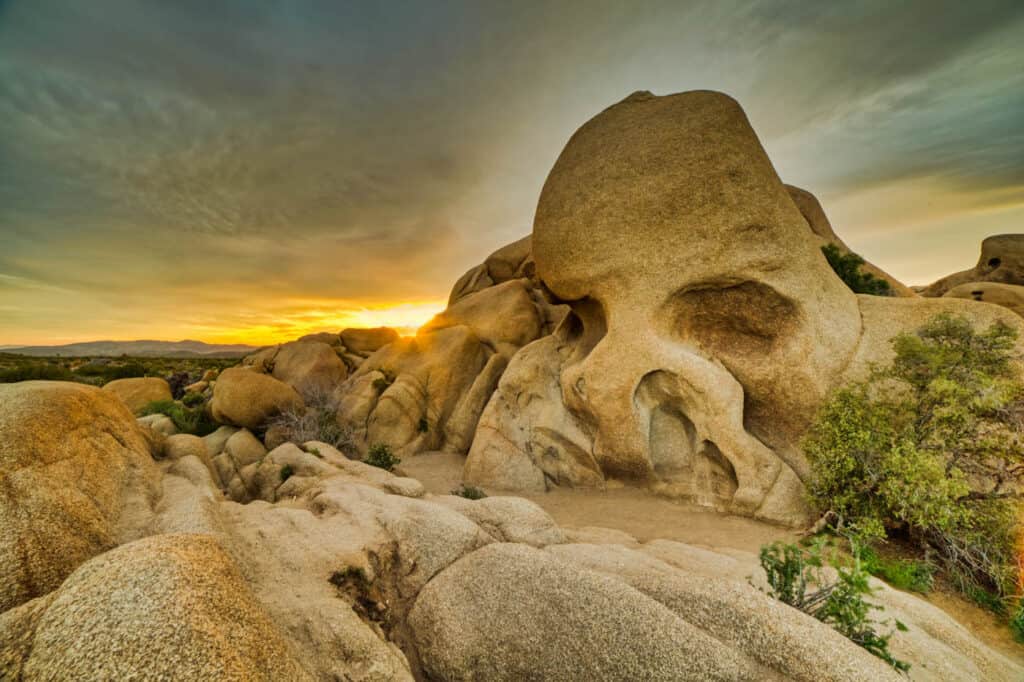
<point x="159" y="157"/>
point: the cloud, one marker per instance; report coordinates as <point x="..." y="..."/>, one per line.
<point x="173" y="163"/>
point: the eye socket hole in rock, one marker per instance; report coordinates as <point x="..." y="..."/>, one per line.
<point x="994" y="262"/>
<point x="584" y="326"/>
<point x="733" y="318"/>
<point x="693" y="466"/>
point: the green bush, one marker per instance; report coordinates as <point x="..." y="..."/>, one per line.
<point x="380" y="456"/>
<point x="898" y="452"/>
<point x="193" y="399"/>
<point x="187" y="420"/>
<point x="37" y="371"/>
<point x="287" y="472"/>
<point x="1017" y="623"/>
<point x="469" y="492"/>
<point x="797" y="577"/>
<point x="847" y="266"/>
<point x="905" y="574"/>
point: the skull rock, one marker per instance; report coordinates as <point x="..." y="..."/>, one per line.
<point x="706" y="328"/>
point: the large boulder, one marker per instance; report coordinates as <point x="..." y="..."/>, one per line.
<point x="139" y="392"/>
<point x="1010" y="296"/>
<point x="312" y="368"/>
<point x="366" y="341"/>
<point x="76" y="477"/>
<point x="511" y="261"/>
<point x="503" y="316"/>
<point x="1001" y="260"/>
<point x="405" y="393"/>
<point x="247" y="398"/>
<point x="706" y="330"/>
<point x="167" y="607"/>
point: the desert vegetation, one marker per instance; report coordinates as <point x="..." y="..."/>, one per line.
<point x="97" y="371"/>
<point x="848" y="267"/>
<point x="928" y="451"/>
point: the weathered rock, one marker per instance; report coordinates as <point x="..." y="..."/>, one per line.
<point x="330" y="338"/>
<point x="503" y="316"/>
<point x="706" y="327"/>
<point x="76" y="475"/>
<point x="159" y="423"/>
<point x="405" y="393"/>
<point x="168" y="607"/>
<point x="569" y="624"/>
<point x="1010" y="296"/>
<point x="216" y="441"/>
<point x="816" y="219"/>
<point x="139" y="392"/>
<point x="197" y="387"/>
<point x="186" y="445"/>
<point x="511" y="261"/>
<point x="246" y="398"/>
<point x="366" y="341"/>
<point x="1002" y="261"/>
<point x="310" y="367"/>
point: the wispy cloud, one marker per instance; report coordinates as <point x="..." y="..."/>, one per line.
<point x="195" y="166"/>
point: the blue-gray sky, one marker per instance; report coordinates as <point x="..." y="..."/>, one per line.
<point x="251" y="169"/>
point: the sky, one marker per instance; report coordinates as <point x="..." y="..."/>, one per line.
<point x="252" y="170"/>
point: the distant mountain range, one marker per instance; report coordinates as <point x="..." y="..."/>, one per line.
<point x="163" y="349"/>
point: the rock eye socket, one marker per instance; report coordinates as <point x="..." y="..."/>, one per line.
<point x="746" y="318"/>
<point x="994" y="262"/>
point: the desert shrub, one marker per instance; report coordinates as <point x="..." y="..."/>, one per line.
<point x="187" y="420"/>
<point x="1017" y="623"/>
<point x="798" y="577"/>
<point x="193" y="399"/>
<point x="317" y="421"/>
<point x="35" y="371"/>
<point x="127" y="370"/>
<point x="911" y="575"/>
<point x="848" y="267"/>
<point x="380" y="455"/>
<point x="904" y="451"/>
<point x="287" y="472"/>
<point x="177" y="382"/>
<point x="469" y="492"/>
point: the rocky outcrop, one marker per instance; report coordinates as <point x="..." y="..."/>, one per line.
<point x="427" y="392"/>
<point x="1010" y="296"/>
<point x="366" y="341"/>
<point x="139" y="392"/>
<point x="339" y="570"/>
<point x="76" y="478"/>
<point x="512" y="261"/>
<point x="248" y="398"/>
<point x="1001" y="261"/>
<point x="706" y="328"/>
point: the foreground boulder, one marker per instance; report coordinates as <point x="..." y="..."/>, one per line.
<point x="76" y="478"/>
<point x="247" y="398"/>
<point x="167" y="607"/>
<point x="139" y="392"/>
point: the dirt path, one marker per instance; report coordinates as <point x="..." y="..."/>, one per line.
<point x="631" y="510"/>
<point x="648" y="517"/>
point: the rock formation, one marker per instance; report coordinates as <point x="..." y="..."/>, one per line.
<point x="139" y="392"/>
<point x="339" y="570"/>
<point x="1002" y="261"/>
<point x="705" y="331"/>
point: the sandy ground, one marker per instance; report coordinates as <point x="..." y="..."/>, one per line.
<point x="648" y="517"/>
